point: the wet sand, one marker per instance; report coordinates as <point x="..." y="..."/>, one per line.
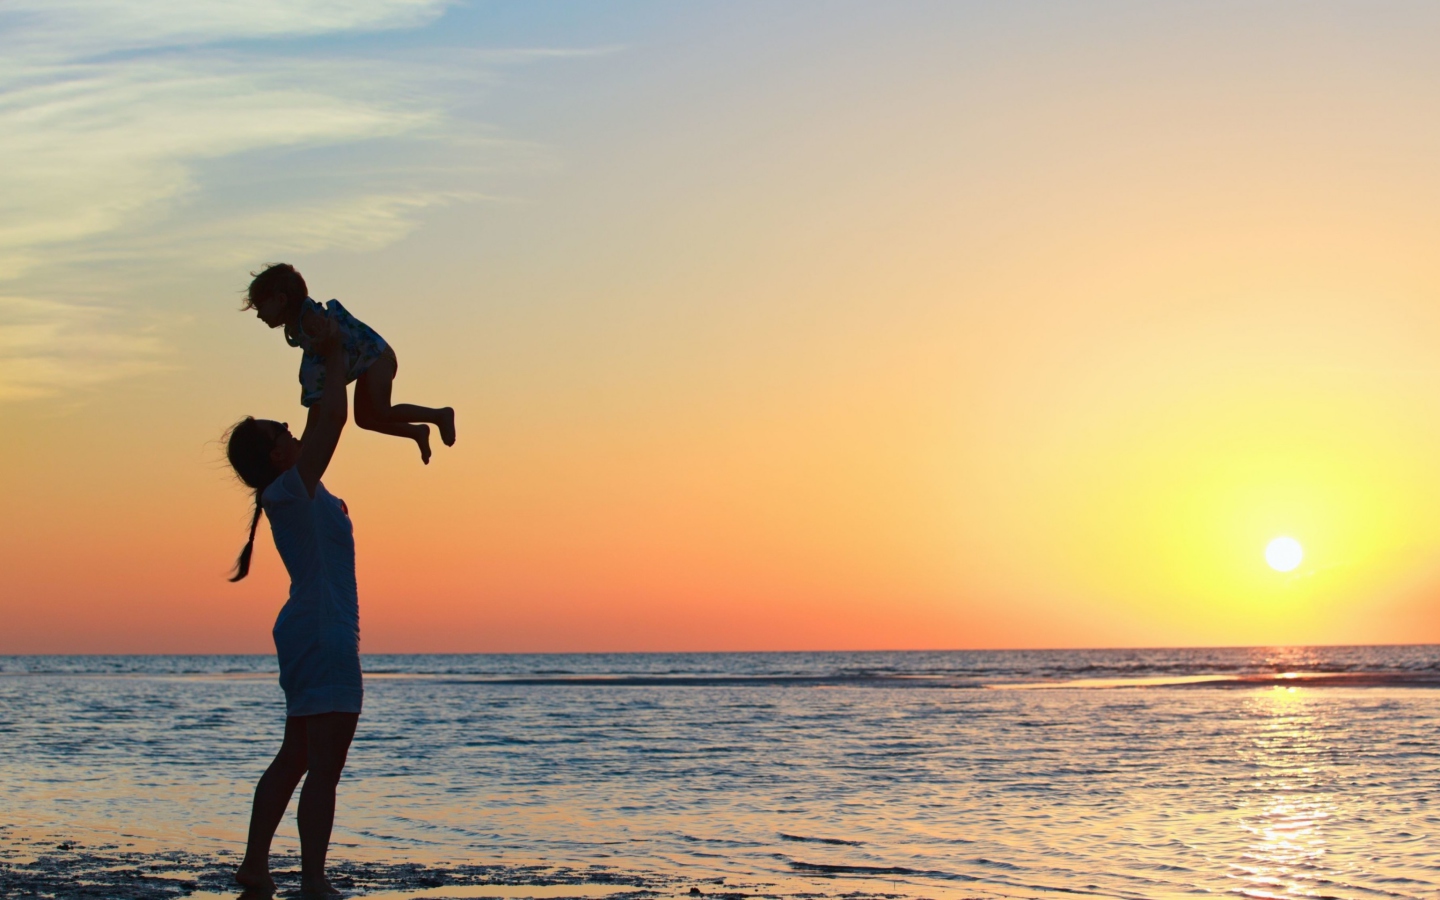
<point x="41" y="868"/>
<point x="69" y="870"/>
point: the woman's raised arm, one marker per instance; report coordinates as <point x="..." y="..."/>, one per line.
<point x="327" y="417"/>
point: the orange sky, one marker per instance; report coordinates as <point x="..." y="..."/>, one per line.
<point x="921" y="326"/>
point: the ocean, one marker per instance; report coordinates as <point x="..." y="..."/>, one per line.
<point x="1260" y="772"/>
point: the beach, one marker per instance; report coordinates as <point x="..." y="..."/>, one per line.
<point x="1277" y="773"/>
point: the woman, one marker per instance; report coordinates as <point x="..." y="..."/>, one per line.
<point x="317" y="634"/>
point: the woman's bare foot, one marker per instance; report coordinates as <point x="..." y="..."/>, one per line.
<point x="422" y="437"/>
<point x="447" y="426"/>
<point x="255" y="880"/>
<point x="313" y="890"/>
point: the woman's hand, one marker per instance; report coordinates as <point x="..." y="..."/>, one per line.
<point x="325" y="338"/>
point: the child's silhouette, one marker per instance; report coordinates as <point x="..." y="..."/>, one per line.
<point x="280" y="298"/>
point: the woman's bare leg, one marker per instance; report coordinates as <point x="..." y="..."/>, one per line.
<point x="375" y="412"/>
<point x="272" y="795"/>
<point x="327" y="740"/>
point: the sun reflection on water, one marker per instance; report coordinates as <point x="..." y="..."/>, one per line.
<point x="1286" y="842"/>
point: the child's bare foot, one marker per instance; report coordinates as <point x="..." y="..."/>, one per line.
<point x="447" y="426"/>
<point x="314" y="890"/>
<point x="255" y="880"/>
<point x="422" y="437"/>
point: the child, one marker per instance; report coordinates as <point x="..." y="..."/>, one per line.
<point x="279" y="297"/>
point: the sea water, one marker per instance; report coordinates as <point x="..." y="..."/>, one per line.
<point x="1300" y="772"/>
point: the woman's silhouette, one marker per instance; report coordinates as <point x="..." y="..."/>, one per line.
<point x="317" y="634"/>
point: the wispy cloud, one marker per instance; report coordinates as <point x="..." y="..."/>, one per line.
<point x="366" y="222"/>
<point x="65" y="28"/>
<point x="136" y="133"/>
<point x="49" y="348"/>
<point x="97" y="148"/>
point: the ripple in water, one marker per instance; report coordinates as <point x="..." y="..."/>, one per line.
<point x="1260" y="773"/>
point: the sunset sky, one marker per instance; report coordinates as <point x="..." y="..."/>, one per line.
<point x="768" y="325"/>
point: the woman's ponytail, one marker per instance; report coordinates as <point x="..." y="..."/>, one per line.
<point x="248" y="448"/>
<point x="242" y="565"/>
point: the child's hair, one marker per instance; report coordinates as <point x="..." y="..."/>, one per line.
<point x="248" y="449"/>
<point x="278" y="278"/>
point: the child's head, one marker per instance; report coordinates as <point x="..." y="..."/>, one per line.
<point x="276" y="294"/>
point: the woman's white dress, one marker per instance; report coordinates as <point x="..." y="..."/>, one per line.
<point x="317" y="634"/>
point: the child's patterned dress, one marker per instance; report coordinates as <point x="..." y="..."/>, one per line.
<point x="362" y="347"/>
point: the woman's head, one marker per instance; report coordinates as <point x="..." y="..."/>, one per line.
<point x="276" y="294"/>
<point x="259" y="450"/>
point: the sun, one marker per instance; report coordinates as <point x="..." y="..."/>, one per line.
<point x="1284" y="554"/>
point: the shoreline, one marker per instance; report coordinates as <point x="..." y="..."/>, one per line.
<point x="43" y="868"/>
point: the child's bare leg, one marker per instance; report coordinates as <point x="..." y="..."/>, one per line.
<point x="374" y="412"/>
<point x="379" y="385"/>
<point x="443" y="418"/>
<point x="366" y="417"/>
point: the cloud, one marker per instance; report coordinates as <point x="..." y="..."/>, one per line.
<point x="168" y="134"/>
<point x="66" y="28"/>
<point x="366" y="222"/>
<point x="49" y="348"/>
<point x="90" y="151"/>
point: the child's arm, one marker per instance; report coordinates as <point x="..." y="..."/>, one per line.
<point x="327" y="418"/>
